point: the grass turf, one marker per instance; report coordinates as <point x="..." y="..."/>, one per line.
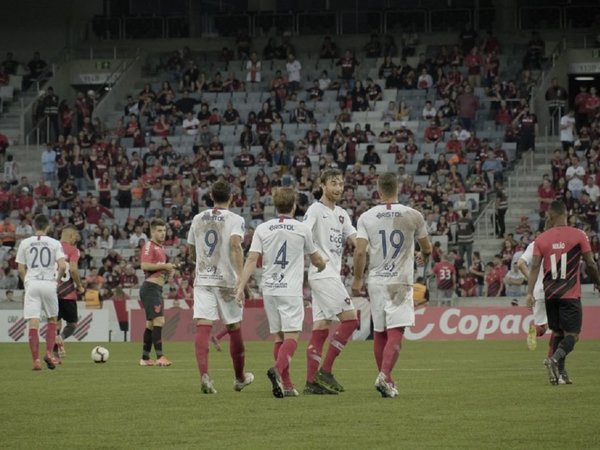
<point x="453" y="395"/>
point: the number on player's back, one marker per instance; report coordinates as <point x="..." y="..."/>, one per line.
<point x="396" y="240"/>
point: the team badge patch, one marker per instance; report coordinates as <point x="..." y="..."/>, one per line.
<point x="341" y="219"/>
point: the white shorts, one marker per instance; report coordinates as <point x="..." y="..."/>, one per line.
<point x="284" y="313"/>
<point x="539" y="312"/>
<point x="40" y="296"/>
<point x="329" y="298"/>
<point x="391" y="306"/>
<point x="214" y="303"/>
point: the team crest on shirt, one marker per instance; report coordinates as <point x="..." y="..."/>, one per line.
<point x="341" y="219"/>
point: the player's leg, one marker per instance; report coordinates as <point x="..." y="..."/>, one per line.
<point x="215" y="338"/>
<point x="31" y="313"/>
<point x="49" y="301"/>
<point x="552" y="312"/>
<point x="284" y="356"/>
<point x="391" y="352"/>
<point x="570" y="322"/>
<point x="146" y="299"/>
<point x="340" y="304"/>
<point x="205" y="313"/>
<point x="157" y="326"/>
<point x="320" y="331"/>
<point x="231" y="314"/>
<point x="70" y="315"/>
<point x="290" y="313"/>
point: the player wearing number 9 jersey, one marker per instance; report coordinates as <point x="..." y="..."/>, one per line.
<point x="558" y="253"/>
<point x="282" y="242"/>
<point x="389" y="232"/>
<point x="38" y="258"/>
<point x="215" y="242"/>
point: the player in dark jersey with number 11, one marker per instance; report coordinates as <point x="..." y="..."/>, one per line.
<point x="558" y="252"/>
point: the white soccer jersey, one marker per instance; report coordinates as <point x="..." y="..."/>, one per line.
<point x="538" y="289"/>
<point x="391" y="230"/>
<point x="210" y="233"/>
<point x="283" y="243"/>
<point x="330" y="229"/>
<point x="40" y="254"/>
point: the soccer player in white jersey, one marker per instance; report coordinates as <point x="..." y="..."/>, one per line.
<point x="331" y="228"/>
<point x="38" y="258"/>
<point x="389" y="231"/>
<point x="215" y="240"/>
<point x="540" y="321"/>
<point x="282" y="242"/>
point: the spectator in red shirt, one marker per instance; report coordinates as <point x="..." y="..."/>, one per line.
<point x="95" y="212"/>
<point x="546" y="194"/>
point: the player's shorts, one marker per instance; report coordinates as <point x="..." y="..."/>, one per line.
<point x="284" y="313"/>
<point x="67" y="310"/>
<point x="329" y="298"/>
<point x="40" y="296"/>
<point x="151" y="295"/>
<point x="564" y="315"/>
<point x="215" y="302"/>
<point x="391" y="306"/>
<point x="539" y="312"/>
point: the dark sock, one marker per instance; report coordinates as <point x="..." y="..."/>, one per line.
<point x="157" y="340"/>
<point x="147" y="343"/>
<point x="566" y="346"/>
<point x="68" y="330"/>
<point x="557" y="340"/>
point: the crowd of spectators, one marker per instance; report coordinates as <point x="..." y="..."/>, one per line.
<point x="109" y="190"/>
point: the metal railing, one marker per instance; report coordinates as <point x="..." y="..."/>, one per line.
<point x="486" y="220"/>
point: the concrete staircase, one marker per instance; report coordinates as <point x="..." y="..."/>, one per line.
<point x="521" y="189"/>
<point x="10" y="116"/>
<point x="28" y="159"/>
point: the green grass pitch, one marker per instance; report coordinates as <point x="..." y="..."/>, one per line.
<point x="453" y="395"/>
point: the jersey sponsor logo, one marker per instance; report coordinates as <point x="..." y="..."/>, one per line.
<point x="388" y="214"/>
<point x="282" y="226"/>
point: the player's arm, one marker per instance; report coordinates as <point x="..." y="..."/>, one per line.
<point x="245" y="275"/>
<point x="522" y="266"/>
<point x="74" y="269"/>
<point x="352" y="239"/>
<point x="360" y="261"/>
<point x="62" y="267"/>
<point x="192" y="252"/>
<point x="425" y="249"/>
<point x="22" y="268"/>
<point x="236" y="253"/>
<point x="536" y="263"/>
<point x="592" y="269"/>
<point x="317" y="260"/>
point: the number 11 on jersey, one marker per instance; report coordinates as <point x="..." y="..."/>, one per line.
<point x="563" y="266"/>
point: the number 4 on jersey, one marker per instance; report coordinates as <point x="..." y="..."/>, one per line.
<point x="281" y="258"/>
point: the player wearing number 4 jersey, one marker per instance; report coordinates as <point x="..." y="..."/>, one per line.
<point x="389" y="232"/>
<point x="282" y="242"/>
<point x="37" y="259"/>
<point x="215" y="240"/>
<point x="70" y="285"/>
<point x="331" y="228"/>
<point x="558" y="254"/>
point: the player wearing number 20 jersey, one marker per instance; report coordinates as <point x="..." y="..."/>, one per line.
<point x="38" y="258"/>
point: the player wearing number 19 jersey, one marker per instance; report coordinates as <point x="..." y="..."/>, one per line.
<point x="282" y="242"/>
<point x="389" y="232"/>
<point x="331" y="228"/>
<point x="215" y="241"/>
<point x="558" y="253"/>
<point x="37" y="258"/>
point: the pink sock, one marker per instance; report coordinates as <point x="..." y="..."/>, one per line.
<point x="391" y="351"/>
<point x="379" y="340"/>
<point x="50" y="337"/>
<point x="221" y="334"/>
<point x="284" y="356"/>
<point x="34" y="343"/>
<point x="201" y="346"/>
<point x="237" y="352"/>
<point x="338" y="341"/>
<point x="285" y="375"/>
<point x="313" y="353"/>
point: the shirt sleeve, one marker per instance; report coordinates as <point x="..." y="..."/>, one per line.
<point x="309" y="244"/>
<point x="191" y="240"/>
<point x="256" y="245"/>
<point x="239" y="229"/>
<point x="527" y="255"/>
<point x="310" y="219"/>
<point x="20" y="259"/>
<point x="585" y="243"/>
<point x="348" y="229"/>
<point x="146" y="254"/>
<point x="421" y="228"/>
<point x="59" y="251"/>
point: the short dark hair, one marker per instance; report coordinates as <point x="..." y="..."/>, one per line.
<point x="41" y="222"/>
<point x="558" y="208"/>
<point x="388" y="183"/>
<point x="220" y="191"/>
<point x="156" y="222"/>
<point x="327" y="174"/>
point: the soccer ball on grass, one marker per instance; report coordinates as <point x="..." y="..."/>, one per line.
<point x="100" y="354"/>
